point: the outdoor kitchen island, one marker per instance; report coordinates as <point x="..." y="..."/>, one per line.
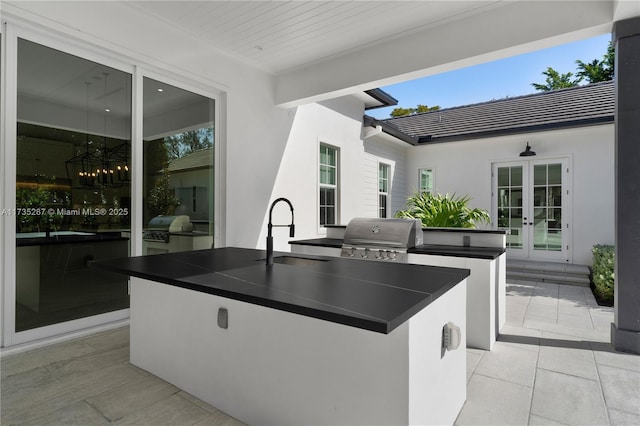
<point x="307" y="340"/>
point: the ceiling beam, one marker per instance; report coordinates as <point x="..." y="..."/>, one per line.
<point x="511" y="28"/>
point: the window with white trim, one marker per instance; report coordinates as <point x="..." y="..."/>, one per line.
<point x="425" y="180"/>
<point x="328" y="187"/>
<point x="383" y="190"/>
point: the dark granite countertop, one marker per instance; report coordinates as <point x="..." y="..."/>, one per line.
<point x="433" y="249"/>
<point x="375" y="296"/>
<point x="488" y="253"/>
<point x="320" y="242"/>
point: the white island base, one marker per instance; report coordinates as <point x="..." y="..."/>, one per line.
<point x="272" y="367"/>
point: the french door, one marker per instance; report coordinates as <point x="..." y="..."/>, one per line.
<point x="531" y="202"/>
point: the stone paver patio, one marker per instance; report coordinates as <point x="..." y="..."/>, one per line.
<point x="553" y="364"/>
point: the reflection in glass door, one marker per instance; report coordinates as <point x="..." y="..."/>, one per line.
<point x="178" y="168"/>
<point x="510" y="184"/>
<point x="547" y="207"/>
<point x="73" y="192"/>
<point x="530" y="204"/>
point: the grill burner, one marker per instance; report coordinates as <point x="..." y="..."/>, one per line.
<point x="381" y="239"/>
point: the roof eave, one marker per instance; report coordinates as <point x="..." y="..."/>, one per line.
<point x="390" y="130"/>
<point x="381" y="96"/>
<point x="518" y="130"/>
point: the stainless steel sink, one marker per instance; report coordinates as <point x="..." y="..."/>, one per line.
<point x="298" y="261"/>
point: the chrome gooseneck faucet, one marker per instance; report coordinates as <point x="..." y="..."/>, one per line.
<point x="270" y="228"/>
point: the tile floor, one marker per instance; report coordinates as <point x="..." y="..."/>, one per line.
<point x="553" y="364"/>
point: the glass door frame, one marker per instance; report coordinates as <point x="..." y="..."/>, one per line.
<point x="11" y="32"/>
<point x="528" y="229"/>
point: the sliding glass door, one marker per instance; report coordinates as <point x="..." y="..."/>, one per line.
<point x="73" y="192"/>
<point x="178" y="166"/>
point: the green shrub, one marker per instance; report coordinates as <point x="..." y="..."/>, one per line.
<point x="604" y="270"/>
<point x="443" y="211"/>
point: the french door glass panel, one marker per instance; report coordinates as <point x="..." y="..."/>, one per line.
<point x="73" y="199"/>
<point x="530" y="204"/>
<point x="510" y="205"/>
<point x="547" y="223"/>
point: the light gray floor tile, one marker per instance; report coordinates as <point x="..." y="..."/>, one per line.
<point x="219" y="419"/>
<point x="621" y="388"/>
<point x="520" y="337"/>
<point x="20" y="385"/>
<point x="546" y="289"/>
<point x="43" y="356"/>
<point x="79" y="413"/>
<point x="620" y="418"/>
<point x="542" y="299"/>
<point x="568" y="360"/>
<point x="494" y="402"/>
<point x="109" y="339"/>
<point x="568" y="399"/>
<point x="85" y="364"/>
<point x="472" y="362"/>
<point x="575" y="321"/>
<point x="573" y="309"/>
<point x="545" y="311"/>
<point x="601" y="320"/>
<point x="541" y="421"/>
<point x="508" y="363"/>
<point x="173" y="410"/>
<point x="605" y="355"/>
<point x="208" y="407"/>
<point x="63" y="393"/>
<point x="130" y="397"/>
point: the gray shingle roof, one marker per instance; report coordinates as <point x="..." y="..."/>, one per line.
<point x="195" y="160"/>
<point x="575" y="106"/>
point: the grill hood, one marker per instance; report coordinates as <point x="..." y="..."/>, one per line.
<point x="388" y="233"/>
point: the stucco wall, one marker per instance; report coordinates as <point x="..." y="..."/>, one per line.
<point x="394" y="154"/>
<point x="336" y="123"/>
<point x="465" y="168"/>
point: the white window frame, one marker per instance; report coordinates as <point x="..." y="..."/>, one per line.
<point x="433" y="180"/>
<point x="387" y="193"/>
<point x="335" y="187"/>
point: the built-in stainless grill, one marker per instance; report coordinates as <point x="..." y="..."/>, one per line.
<point x="160" y="227"/>
<point x="381" y="239"/>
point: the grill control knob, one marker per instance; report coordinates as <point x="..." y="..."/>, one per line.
<point x="352" y="252"/>
<point x="380" y="254"/>
<point x="365" y="253"/>
<point x="392" y="254"/>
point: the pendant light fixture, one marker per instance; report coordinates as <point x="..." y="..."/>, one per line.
<point x="99" y="167"/>
<point x="527" y="152"/>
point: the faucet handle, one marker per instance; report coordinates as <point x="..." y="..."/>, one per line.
<point x="292" y="230"/>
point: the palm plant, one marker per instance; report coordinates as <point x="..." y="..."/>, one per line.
<point x="446" y="211"/>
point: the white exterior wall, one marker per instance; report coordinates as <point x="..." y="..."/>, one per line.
<point x="394" y="154"/>
<point x="337" y="123"/>
<point x="465" y="168"/>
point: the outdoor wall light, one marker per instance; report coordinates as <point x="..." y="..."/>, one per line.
<point x="527" y="152"/>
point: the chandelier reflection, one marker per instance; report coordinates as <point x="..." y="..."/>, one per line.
<point x="99" y="167"/>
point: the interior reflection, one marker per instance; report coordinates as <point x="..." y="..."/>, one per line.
<point x="73" y="197"/>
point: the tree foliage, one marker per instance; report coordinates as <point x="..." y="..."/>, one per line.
<point x="187" y="142"/>
<point x="555" y="80"/>
<point x="401" y="112"/>
<point x="593" y="72"/>
<point x="446" y="211"/>
<point x="598" y="70"/>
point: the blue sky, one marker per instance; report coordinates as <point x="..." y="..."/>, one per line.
<point x="493" y="80"/>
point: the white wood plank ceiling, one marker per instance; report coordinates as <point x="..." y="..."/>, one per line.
<point x="279" y="36"/>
